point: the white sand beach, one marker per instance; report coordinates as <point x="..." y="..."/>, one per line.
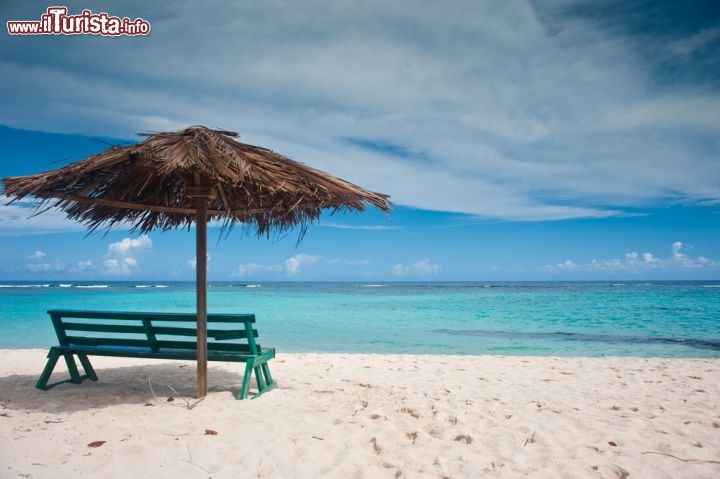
<point x="367" y="416"/>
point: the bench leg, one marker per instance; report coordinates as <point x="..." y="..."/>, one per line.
<point x="47" y="372"/>
<point x="75" y="377"/>
<point x="249" y="365"/>
<point x="262" y="376"/>
<point x="89" y="371"/>
<point x="264" y="379"/>
<point x="266" y="371"/>
<point x="259" y="380"/>
<point x="72" y="368"/>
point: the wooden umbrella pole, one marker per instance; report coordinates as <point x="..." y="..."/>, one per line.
<point x="201" y="287"/>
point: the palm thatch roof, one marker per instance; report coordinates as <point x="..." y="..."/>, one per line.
<point x="154" y="185"/>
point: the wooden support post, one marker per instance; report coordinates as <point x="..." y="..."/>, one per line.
<point x="201" y="193"/>
<point x="201" y="286"/>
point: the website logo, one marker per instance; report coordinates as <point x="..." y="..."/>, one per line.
<point x="57" y="22"/>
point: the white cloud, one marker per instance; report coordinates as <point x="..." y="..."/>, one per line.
<point x="649" y="258"/>
<point x="37" y="265"/>
<point x="85" y="265"/>
<point x="17" y="219"/>
<point x="126" y="245"/>
<point x="22" y="218"/>
<point x="293" y="264"/>
<point x="520" y="110"/>
<point x="120" y="256"/>
<point x="689" y="45"/>
<point x="55" y="266"/>
<point x="400" y="270"/>
<point x="677" y="261"/>
<point x="247" y="270"/>
<point x="677" y="255"/>
<point x="423" y="267"/>
<point x="37" y="255"/>
<point x="123" y="266"/>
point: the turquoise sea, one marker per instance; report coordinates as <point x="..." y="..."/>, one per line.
<point x="669" y="319"/>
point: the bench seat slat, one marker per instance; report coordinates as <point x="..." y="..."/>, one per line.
<point x="224" y="335"/>
<point x="159" y="345"/>
<point x="168" y="353"/>
<point x="219" y="334"/>
<point x="103" y="328"/>
<point x="230" y="347"/>
<point x="122" y="342"/>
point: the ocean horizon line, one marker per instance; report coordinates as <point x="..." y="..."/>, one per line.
<point x="615" y="281"/>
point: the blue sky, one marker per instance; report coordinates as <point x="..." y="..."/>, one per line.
<point x="520" y="140"/>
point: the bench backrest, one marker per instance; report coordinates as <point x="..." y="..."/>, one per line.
<point x="157" y="331"/>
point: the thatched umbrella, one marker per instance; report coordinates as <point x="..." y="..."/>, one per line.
<point x="182" y="177"/>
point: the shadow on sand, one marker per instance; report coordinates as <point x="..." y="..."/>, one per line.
<point x="133" y="385"/>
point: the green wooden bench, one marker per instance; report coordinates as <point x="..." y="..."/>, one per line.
<point x="231" y="337"/>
